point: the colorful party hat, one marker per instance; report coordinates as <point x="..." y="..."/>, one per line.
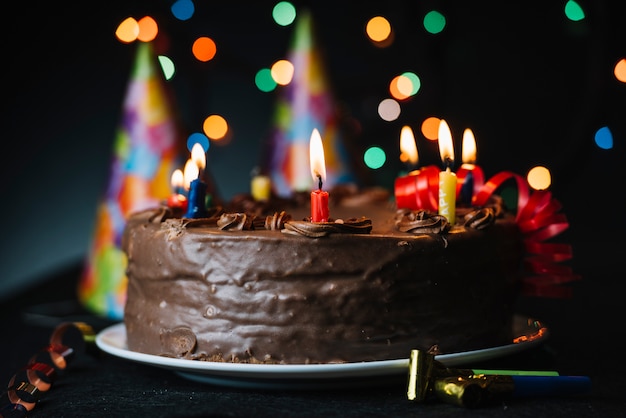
<point x="305" y="103"/>
<point x="144" y="155"/>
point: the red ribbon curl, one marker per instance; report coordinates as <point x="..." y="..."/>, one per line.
<point x="537" y="217"/>
<point x="538" y="222"/>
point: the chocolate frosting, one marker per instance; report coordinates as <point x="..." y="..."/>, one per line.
<point x="421" y="222"/>
<point x="225" y="289"/>
<point x="322" y="229"/>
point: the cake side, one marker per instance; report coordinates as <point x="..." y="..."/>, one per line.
<point x="267" y="296"/>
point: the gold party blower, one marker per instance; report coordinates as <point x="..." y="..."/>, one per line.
<point x="477" y="387"/>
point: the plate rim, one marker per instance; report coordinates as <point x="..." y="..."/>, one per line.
<point x="112" y="340"/>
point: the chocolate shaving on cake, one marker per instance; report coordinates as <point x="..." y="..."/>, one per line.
<point x="277" y="221"/>
<point x="480" y="218"/>
<point x="244" y="221"/>
<point x="421" y="222"/>
<point x="321" y="229"/>
<point x="234" y="221"/>
<point x="178" y="342"/>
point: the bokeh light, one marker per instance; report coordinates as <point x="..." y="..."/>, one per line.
<point x="284" y="13"/>
<point x="430" y="128"/>
<point x="183" y="9"/>
<point x="620" y="70"/>
<point x="128" y="30"/>
<point x="215" y="127"/>
<point x="539" y="178"/>
<point x="167" y="65"/>
<point x="389" y="110"/>
<point x="604" y="138"/>
<point x="148" y="29"/>
<point x="573" y="11"/>
<point x="415" y="80"/>
<point x="264" y="80"/>
<point x="378" y="29"/>
<point x="198" y="138"/>
<point x="374" y="157"/>
<point x="204" y="49"/>
<point x="434" y="22"/>
<point x="282" y="72"/>
<point x="401" y="87"/>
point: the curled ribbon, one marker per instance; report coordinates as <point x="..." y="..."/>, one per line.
<point x="418" y="190"/>
<point x="537" y="218"/>
<point x="538" y="221"/>
<point x="27" y="386"/>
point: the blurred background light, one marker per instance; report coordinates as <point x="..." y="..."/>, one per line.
<point x="539" y="178"/>
<point x="604" y="138"/>
<point x="183" y="9"/>
<point x="284" y="13"/>
<point x="204" y="49"/>
<point x="389" y="110"/>
<point x="374" y="157"/>
<point x="148" y="29"/>
<point x="264" y="80"/>
<point x="434" y="22"/>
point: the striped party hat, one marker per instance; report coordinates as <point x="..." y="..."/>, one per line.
<point x="144" y="155"/>
<point x="304" y="104"/>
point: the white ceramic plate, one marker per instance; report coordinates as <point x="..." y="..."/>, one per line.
<point x="112" y="340"/>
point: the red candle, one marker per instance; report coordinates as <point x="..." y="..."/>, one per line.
<point x="319" y="197"/>
<point x="319" y="206"/>
<point x="177" y="199"/>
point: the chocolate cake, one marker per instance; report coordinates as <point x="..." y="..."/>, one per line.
<point x="259" y="284"/>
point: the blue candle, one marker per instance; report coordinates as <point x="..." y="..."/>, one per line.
<point x="197" y="204"/>
<point x="467" y="189"/>
<point x="197" y="188"/>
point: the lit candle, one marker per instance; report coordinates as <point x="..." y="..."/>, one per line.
<point x="447" y="179"/>
<point x="405" y="186"/>
<point x="260" y="187"/>
<point x="177" y="199"/>
<point x="196" y="206"/>
<point x="468" y="155"/>
<point x="319" y="198"/>
<point x="408" y="149"/>
<point x="473" y="177"/>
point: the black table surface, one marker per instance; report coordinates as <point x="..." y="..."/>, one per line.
<point x="586" y="338"/>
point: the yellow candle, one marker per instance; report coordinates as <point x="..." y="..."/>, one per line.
<point x="447" y="179"/>
<point x="447" y="195"/>
<point x="261" y="187"/>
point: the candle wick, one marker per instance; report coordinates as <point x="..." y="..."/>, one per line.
<point x="319" y="182"/>
<point x="447" y="163"/>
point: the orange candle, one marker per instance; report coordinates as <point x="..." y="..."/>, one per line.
<point x="447" y="179"/>
<point x="319" y="197"/>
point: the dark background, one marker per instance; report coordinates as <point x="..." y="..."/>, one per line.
<point x="532" y="85"/>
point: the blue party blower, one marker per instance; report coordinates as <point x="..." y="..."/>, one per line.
<point x="479" y="390"/>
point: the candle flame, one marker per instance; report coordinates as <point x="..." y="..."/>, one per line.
<point x="446" y="149"/>
<point x="198" y="156"/>
<point x="316" y="151"/>
<point x="178" y="179"/>
<point x="469" y="147"/>
<point x="408" y="148"/>
<point x="190" y="173"/>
